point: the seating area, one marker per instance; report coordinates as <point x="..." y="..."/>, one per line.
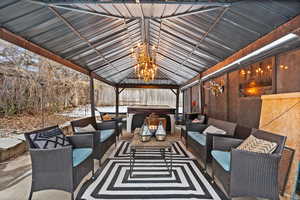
<point x="245" y="162"/>
<point x="229" y="70"/>
<point x="242" y="173"/>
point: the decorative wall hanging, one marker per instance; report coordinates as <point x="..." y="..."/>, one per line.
<point x="256" y="80"/>
<point x="215" y="88"/>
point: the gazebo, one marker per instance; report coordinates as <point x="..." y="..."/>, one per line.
<point x="208" y="50"/>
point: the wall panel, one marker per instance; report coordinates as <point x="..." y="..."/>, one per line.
<point x="233" y="93"/>
<point x="246" y="110"/>
<point x="288" y="80"/>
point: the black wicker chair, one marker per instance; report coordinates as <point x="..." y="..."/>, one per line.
<point x="188" y="122"/>
<point x="200" y="144"/>
<point x="244" y="173"/>
<point x="118" y="120"/>
<point x="103" y="137"/>
<point x="60" y="168"/>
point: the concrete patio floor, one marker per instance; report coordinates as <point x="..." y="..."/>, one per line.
<point x="15" y="180"/>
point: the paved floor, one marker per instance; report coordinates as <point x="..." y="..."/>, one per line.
<point x="15" y="180"/>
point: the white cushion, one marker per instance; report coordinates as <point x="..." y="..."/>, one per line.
<point x="214" y="130"/>
<point x="88" y="128"/>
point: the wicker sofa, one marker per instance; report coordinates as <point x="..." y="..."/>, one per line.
<point x="201" y="145"/>
<point x="59" y="167"/>
<point x="103" y="137"/>
<point x="244" y="173"/>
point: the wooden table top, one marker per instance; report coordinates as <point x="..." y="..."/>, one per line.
<point x="153" y="143"/>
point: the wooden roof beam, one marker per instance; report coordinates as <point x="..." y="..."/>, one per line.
<point x="149" y="86"/>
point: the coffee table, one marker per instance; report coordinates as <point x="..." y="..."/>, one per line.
<point x="165" y="148"/>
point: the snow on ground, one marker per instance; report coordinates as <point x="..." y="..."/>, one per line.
<point x="86" y="111"/>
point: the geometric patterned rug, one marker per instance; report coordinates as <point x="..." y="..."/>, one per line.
<point x="151" y="178"/>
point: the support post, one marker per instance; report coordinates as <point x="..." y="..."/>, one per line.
<point x="92" y="96"/>
<point x="117" y="101"/>
<point x="177" y="103"/>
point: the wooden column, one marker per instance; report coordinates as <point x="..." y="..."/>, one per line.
<point x="117" y="100"/>
<point x="274" y="74"/>
<point x="92" y="96"/>
<point x="177" y="103"/>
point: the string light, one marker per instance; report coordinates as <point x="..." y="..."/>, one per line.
<point x="284" y="67"/>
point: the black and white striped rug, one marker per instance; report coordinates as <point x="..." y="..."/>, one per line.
<point x="151" y="178"/>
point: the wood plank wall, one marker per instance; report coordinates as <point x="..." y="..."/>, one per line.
<point x="246" y="110"/>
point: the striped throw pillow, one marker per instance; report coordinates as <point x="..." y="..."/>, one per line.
<point x="254" y="144"/>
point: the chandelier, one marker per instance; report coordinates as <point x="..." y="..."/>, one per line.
<point x="146" y="67"/>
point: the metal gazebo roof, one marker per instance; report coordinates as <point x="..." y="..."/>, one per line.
<point x="191" y="36"/>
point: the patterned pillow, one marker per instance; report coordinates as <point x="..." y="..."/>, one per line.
<point x="49" y="139"/>
<point x="106" y="117"/>
<point x="254" y="144"/>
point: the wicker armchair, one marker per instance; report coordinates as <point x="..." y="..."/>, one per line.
<point x="188" y="123"/>
<point x="103" y="137"/>
<point x="61" y="168"/>
<point x="244" y="173"/>
<point x="201" y="144"/>
<point x="118" y="120"/>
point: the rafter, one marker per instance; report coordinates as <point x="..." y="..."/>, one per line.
<point x="193" y="12"/>
<point x="78" y="34"/>
<point x="66" y="7"/>
<point x="219" y="17"/>
<point x="112" y="61"/>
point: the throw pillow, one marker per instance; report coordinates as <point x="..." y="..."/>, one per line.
<point x="49" y="139"/>
<point x="257" y="145"/>
<point x="214" y="130"/>
<point x="88" y="128"/>
<point x="106" y="117"/>
<point x="199" y="119"/>
<point x="196" y="121"/>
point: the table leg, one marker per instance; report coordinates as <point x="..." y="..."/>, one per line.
<point x="133" y="161"/>
<point x="130" y="163"/>
<point x="171" y="161"/>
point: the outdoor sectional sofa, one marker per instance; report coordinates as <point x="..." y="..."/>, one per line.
<point x="103" y="137"/>
<point x="201" y="144"/>
<point x="241" y="173"/>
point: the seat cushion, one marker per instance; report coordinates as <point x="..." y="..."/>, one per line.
<point x="198" y="137"/>
<point x="80" y="155"/>
<point x="105" y="134"/>
<point x="223" y="158"/>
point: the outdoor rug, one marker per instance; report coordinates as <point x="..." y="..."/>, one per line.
<point x="151" y="178"/>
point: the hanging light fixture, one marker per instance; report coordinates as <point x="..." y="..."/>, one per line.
<point x="146" y="63"/>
